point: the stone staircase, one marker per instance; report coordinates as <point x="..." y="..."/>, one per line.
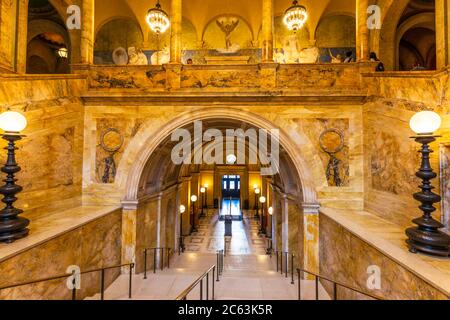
<point x="245" y="277"/>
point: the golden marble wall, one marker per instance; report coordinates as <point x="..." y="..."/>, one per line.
<point x="91" y="246"/>
<point x="345" y="258"/>
<point x="391" y="157"/>
<point x="51" y="153"/>
<point x="7" y="35"/>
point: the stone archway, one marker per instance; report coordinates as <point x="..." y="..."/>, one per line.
<point x="153" y="133"/>
<point x="150" y="136"/>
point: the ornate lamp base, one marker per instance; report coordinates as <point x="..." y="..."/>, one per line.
<point x="427" y="238"/>
<point x="12" y="227"/>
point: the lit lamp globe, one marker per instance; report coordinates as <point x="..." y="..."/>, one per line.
<point x="12" y="122"/>
<point x="202" y="190"/>
<point x="262" y="199"/>
<point x="194" y="198"/>
<point x="425" y="122"/>
<point x="270" y="210"/>
<point x="182" y="209"/>
<point x="231" y="159"/>
<point x="257" y="191"/>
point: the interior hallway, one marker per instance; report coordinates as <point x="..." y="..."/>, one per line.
<point x="249" y="274"/>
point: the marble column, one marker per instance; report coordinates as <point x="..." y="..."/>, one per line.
<point x="129" y="232"/>
<point x="311" y="236"/>
<point x="22" y="36"/>
<point x="176" y="18"/>
<point x="442" y="33"/>
<point x="362" y="31"/>
<point x="267" y="31"/>
<point x="87" y="32"/>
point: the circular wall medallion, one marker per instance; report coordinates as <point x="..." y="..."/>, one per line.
<point x="332" y="141"/>
<point x="111" y="140"/>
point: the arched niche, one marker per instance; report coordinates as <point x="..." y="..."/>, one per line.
<point x="214" y="37"/>
<point x="46" y="36"/>
<point x="116" y="32"/>
<point x="416" y="42"/>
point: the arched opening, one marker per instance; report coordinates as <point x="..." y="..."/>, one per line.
<point x="149" y="177"/>
<point x="48" y="49"/>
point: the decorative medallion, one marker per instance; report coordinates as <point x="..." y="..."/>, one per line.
<point x="111" y="141"/>
<point x="332" y="142"/>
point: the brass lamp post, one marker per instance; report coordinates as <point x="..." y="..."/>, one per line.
<point x="257" y="192"/>
<point x="202" y="191"/>
<point x="182" y="246"/>
<point x="262" y="229"/>
<point x="270" y="246"/>
<point x="427" y="237"/>
<point x="12" y="227"/>
<point x="193" y="201"/>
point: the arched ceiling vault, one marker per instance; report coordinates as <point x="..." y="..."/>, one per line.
<point x="160" y="172"/>
<point x="200" y="12"/>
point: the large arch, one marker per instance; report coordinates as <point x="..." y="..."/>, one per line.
<point x="423" y="20"/>
<point x="150" y="136"/>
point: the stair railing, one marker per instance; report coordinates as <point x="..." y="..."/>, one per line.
<point x="285" y="263"/>
<point x="220" y="260"/>
<point x="335" y="283"/>
<point x="161" y="260"/>
<point x="204" y="277"/>
<point x="74" y="275"/>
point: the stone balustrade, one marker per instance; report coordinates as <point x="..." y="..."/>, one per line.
<point x="330" y="79"/>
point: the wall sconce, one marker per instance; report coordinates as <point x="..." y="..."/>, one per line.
<point x="12" y="227"/>
<point x="426" y="237"/>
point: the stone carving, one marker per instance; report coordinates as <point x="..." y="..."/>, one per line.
<point x="328" y="135"/>
<point x="101" y="80"/>
<point x="111" y="141"/>
<point x="334" y="164"/>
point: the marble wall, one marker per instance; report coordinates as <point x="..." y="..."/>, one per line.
<point x="345" y="258"/>
<point x="391" y="156"/>
<point x="50" y="154"/>
<point x="91" y="246"/>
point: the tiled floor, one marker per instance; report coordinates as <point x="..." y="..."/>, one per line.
<point x="249" y="273"/>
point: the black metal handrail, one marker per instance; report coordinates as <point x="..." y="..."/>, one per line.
<point x="220" y="259"/>
<point x="161" y="261"/>
<point x="188" y="290"/>
<point x="336" y="285"/>
<point x="74" y="274"/>
<point x="288" y="258"/>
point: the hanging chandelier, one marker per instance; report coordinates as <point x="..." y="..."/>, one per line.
<point x="157" y="19"/>
<point x="295" y="17"/>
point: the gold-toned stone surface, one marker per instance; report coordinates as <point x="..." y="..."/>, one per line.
<point x="352" y="241"/>
<point x="88" y="237"/>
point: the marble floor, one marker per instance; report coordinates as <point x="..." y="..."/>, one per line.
<point x="210" y="236"/>
<point x="249" y="274"/>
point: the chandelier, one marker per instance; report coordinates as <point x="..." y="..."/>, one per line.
<point x="295" y="17"/>
<point x="157" y="19"/>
